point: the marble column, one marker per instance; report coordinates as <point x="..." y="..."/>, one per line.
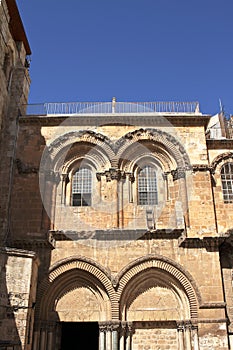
<point x="129" y="333"/>
<point x="180" y="329"/>
<point x="195" y="338"/>
<point x="43" y="339"/>
<point x="50" y="336"/>
<point x="122" y="334"/>
<point x="102" y="336"/>
<point x="188" y="328"/>
<point x="109" y="337"/>
<point x="35" y="340"/>
<point x="115" y="337"/>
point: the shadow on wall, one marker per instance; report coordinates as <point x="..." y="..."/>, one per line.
<point x="28" y="240"/>
<point x="9" y="335"/>
<point x="226" y="251"/>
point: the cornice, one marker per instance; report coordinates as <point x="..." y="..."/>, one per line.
<point x="140" y="234"/>
<point x="219" y="144"/>
<point x="143" y="119"/>
<point x="209" y="243"/>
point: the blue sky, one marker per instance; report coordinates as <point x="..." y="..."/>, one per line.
<point x="136" y="50"/>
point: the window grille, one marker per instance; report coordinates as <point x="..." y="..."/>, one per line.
<point x="82" y="188"/>
<point x="147" y="186"/>
<point x="227" y="182"/>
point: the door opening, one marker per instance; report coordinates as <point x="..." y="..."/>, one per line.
<point x="80" y="335"/>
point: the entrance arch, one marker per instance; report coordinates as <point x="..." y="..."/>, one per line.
<point x="158" y="302"/>
<point x="153" y="298"/>
<point x="76" y="290"/>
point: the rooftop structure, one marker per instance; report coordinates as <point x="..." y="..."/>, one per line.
<point x="56" y="108"/>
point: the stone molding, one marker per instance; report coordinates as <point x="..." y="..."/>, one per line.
<point x="115" y="150"/>
<point x="221" y="158"/>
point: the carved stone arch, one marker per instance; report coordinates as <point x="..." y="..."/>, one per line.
<point x="220" y="160"/>
<point x="167" y="272"/>
<point x="84" y="153"/>
<point x="145" y="152"/>
<point x="60" y="154"/>
<point x="70" y="274"/>
<point x="164" y="141"/>
<point x="55" y="154"/>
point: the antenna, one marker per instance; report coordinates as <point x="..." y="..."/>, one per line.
<point x="221" y="106"/>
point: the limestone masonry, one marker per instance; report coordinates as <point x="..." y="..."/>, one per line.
<point x="116" y="219"/>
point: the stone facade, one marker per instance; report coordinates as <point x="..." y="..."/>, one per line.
<point x="148" y="274"/>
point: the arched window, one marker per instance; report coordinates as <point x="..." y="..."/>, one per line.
<point x="82" y="187"/>
<point x="147" y="186"/>
<point x="227" y="182"/>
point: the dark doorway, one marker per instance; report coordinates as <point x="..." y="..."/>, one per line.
<point x="80" y="335"/>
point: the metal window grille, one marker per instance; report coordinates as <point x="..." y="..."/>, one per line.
<point x="147" y="186"/>
<point x="227" y="182"/>
<point x="82" y="187"/>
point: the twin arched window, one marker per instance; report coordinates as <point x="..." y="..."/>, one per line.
<point x="227" y="182"/>
<point x="82" y="187"/>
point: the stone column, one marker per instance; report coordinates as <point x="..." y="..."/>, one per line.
<point x="121" y="200"/>
<point x="43" y="339"/>
<point x="165" y="177"/>
<point x="180" y="329"/>
<point x="115" y="338"/>
<point x="123" y="335"/>
<point x="108" y="337"/>
<point x="188" y="327"/>
<point x="130" y="182"/>
<point x="50" y="336"/>
<point x="102" y="336"/>
<point x="65" y="181"/>
<point x="129" y="333"/>
<point x="35" y="340"/>
<point x="195" y="338"/>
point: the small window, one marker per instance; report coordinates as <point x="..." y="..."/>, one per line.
<point x="227" y="182"/>
<point x="82" y="188"/>
<point x="147" y="186"/>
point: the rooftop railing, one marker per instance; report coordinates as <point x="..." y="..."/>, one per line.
<point x="64" y="108"/>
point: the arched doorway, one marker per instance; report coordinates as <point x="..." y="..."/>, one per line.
<point x="72" y="302"/>
<point x="158" y="304"/>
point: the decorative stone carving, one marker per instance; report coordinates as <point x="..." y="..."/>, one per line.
<point x="177" y="174"/>
<point x="112" y="174"/>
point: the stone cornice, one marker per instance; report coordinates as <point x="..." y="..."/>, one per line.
<point x="217" y="305"/>
<point x="140" y="234"/>
<point x="201" y="167"/>
<point x="12" y="251"/>
<point x="219" y="144"/>
<point x="34" y="243"/>
<point x="145" y="119"/>
<point x="209" y="243"/>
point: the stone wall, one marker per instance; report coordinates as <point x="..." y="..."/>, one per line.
<point x="113" y="233"/>
<point x="18" y="296"/>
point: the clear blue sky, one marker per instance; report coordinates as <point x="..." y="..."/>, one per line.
<point x="136" y="50"/>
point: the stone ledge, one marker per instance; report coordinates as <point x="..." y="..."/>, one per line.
<point x="209" y="243"/>
<point x="114" y="234"/>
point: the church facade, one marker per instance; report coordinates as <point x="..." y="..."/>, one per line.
<point x="116" y="219"/>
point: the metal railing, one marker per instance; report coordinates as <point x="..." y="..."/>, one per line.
<point x="61" y="108"/>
